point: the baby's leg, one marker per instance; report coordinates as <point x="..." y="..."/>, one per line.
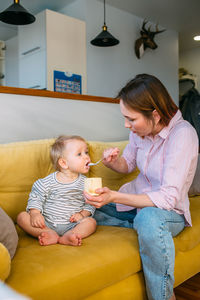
<point x="74" y="236"/>
<point x="46" y="236"/>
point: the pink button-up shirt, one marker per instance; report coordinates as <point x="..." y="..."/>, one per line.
<point x="167" y="165"/>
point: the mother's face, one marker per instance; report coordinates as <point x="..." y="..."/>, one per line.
<point x="136" y="121"/>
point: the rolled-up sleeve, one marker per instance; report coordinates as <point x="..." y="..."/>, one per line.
<point x="129" y="153"/>
<point x="179" y="165"/>
<point x="89" y="208"/>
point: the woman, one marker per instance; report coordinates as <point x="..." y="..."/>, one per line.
<point x="164" y="147"/>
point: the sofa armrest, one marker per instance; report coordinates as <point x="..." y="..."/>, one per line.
<point x="5" y="262"/>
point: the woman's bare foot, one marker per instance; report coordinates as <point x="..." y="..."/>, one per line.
<point x="48" y="238"/>
<point x="70" y="238"/>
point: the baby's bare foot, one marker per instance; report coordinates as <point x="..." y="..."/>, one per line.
<point x="71" y="238"/>
<point x="48" y="238"/>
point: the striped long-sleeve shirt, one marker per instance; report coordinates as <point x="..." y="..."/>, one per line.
<point x="58" y="201"/>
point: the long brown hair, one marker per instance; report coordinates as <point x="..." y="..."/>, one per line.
<point x="146" y="93"/>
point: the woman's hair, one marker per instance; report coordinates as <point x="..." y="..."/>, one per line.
<point x="58" y="147"/>
<point x="146" y="93"/>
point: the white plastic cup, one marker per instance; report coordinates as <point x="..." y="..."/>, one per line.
<point x="91" y="184"/>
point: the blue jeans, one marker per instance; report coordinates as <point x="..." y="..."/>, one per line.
<point x="155" y="228"/>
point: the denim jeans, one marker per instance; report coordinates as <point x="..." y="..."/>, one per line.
<point x="155" y="228"/>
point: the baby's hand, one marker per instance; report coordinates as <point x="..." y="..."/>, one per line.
<point x="37" y="220"/>
<point x="110" y="155"/>
<point x="76" y="217"/>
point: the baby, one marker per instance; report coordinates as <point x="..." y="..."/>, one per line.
<point x="56" y="210"/>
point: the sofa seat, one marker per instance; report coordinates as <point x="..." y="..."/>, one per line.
<point x="105" y="258"/>
<point x="190" y="237"/>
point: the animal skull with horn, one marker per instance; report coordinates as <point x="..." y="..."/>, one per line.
<point x="146" y="40"/>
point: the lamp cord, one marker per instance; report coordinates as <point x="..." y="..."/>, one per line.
<point x="104" y="12"/>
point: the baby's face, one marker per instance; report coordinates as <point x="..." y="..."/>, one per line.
<point x="76" y="156"/>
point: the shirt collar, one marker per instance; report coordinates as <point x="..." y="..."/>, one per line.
<point x="165" y="131"/>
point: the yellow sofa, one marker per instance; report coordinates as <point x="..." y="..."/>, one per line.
<point x="107" y="266"/>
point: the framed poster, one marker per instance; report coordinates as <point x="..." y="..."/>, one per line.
<point x="67" y="82"/>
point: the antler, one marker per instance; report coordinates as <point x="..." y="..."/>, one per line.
<point x="143" y="26"/>
<point x="158" y="31"/>
<point x="149" y="28"/>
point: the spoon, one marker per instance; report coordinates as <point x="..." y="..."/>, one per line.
<point x="96" y="163"/>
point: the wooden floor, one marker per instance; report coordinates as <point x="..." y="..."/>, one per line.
<point x="189" y="290"/>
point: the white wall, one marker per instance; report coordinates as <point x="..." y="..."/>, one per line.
<point x="108" y="69"/>
<point x="28" y="117"/>
<point x="12" y="62"/>
<point x="190" y="60"/>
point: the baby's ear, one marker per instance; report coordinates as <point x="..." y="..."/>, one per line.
<point x="63" y="163"/>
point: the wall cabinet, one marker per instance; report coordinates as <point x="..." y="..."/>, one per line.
<point x="53" y="42"/>
<point x="32" y="37"/>
<point x="32" y="71"/>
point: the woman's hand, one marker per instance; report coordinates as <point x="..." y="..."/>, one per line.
<point x="110" y="156"/>
<point x="104" y="197"/>
<point x="37" y="220"/>
<point x="113" y="160"/>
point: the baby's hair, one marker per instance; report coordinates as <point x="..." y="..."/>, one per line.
<point x="58" y="147"/>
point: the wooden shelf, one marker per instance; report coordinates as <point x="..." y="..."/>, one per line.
<point x="51" y="94"/>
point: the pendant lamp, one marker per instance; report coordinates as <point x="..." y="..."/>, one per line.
<point x="105" y="38"/>
<point x="16" y="14"/>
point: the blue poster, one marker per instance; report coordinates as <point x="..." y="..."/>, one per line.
<point x="67" y="82"/>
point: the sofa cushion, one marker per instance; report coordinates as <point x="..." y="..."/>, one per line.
<point x="5" y="262"/>
<point x="30" y="161"/>
<point x="8" y="233"/>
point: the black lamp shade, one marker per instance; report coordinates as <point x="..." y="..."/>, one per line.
<point x="104" y="39"/>
<point x="16" y="15"/>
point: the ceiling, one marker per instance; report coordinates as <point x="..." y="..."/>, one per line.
<point x="179" y="15"/>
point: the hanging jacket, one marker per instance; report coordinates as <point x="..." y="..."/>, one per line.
<point x="190" y="107"/>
